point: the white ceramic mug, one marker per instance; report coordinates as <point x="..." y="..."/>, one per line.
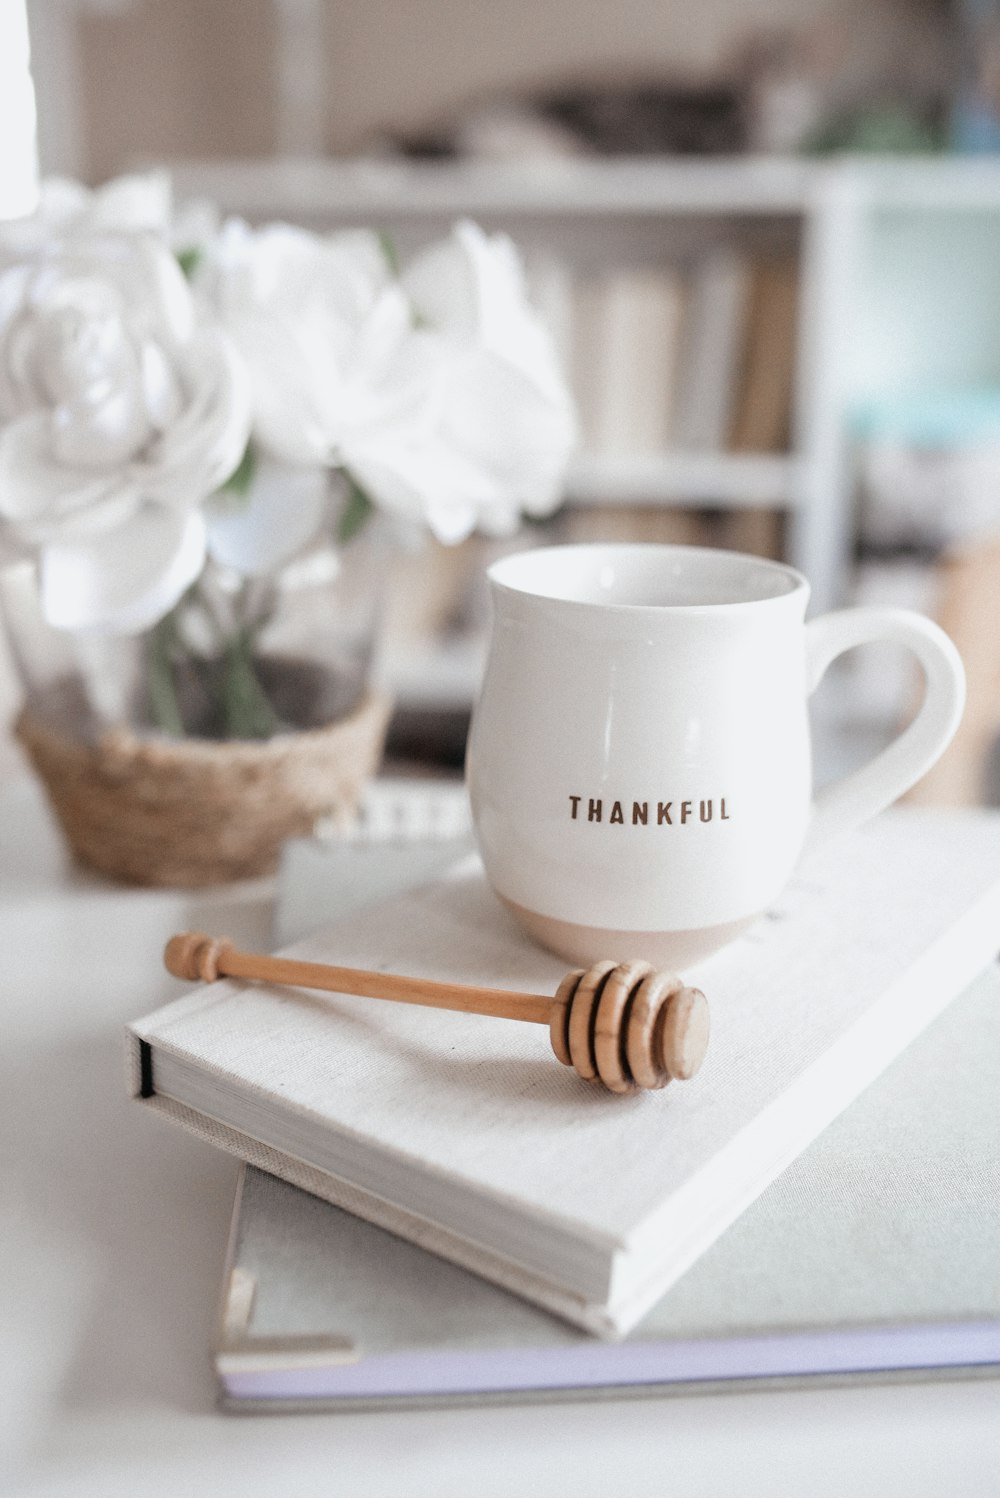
<point x="639" y="762"/>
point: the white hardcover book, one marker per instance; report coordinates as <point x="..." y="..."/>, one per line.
<point x="586" y="354"/>
<point x="464" y="1135"/>
<point x="637" y="342"/>
<point x="875" y="1254"/>
<point x="712" y="351"/>
<point x="549" y="280"/>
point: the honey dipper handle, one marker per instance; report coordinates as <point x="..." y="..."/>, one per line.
<point x="197" y="957"/>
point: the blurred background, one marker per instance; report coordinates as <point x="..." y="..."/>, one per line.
<point x="764" y="233"/>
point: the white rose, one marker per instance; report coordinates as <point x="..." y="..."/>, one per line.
<point x="440" y="394"/>
<point x="502" y="423"/>
<point x="141" y="201"/>
<point x="118" y="416"/>
<point x="507" y="411"/>
<point x="471" y="287"/>
<point x="298" y="307"/>
<point x="335" y="364"/>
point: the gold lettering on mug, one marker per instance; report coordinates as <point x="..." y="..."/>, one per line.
<point x="640" y="811"/>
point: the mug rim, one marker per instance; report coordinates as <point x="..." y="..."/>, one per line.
<point x="795" y="582"/>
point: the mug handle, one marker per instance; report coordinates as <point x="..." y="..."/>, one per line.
<point x="848" y="802"/>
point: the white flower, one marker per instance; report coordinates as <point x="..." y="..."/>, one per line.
<point x="441" y="394"/>
<point x="298" y="308"/>
<point x="471" y="287"/>
<point x="141" y="201"/>
<point x="118" y="416"/>
<point x="505" y="424"/>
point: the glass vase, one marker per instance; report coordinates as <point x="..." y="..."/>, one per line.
<point x="186" y="754"/>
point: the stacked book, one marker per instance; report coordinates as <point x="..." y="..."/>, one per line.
<point x="434" y="1209"/>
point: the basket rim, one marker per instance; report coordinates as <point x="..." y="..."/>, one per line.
<point x="126" y="743"/>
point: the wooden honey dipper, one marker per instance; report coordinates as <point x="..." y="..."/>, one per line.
<point x="619" y="1024"/>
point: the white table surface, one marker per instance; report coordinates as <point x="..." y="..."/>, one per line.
<point x="112" y="1230"/>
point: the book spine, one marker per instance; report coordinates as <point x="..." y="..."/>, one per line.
<point x="138" y="1066"/>
<point x="626" y="359"/>
<point x="712" y="351"/>
<point x="592" y="1316"/>
<point x="762" y="418"/>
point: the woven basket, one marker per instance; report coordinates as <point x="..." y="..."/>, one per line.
<point x="194" y="812"/>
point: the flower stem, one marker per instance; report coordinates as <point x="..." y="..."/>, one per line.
<point x="222" y="692"/>
<point x="246" y="708"/>
<point x="163" y="701"/>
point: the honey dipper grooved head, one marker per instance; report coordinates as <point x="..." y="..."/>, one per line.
<point x="628" y="1027"/>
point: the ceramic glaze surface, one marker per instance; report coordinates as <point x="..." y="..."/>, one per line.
<point x="640" y="758"/>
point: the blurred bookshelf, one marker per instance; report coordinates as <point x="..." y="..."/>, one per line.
<point x="320" y="192"/>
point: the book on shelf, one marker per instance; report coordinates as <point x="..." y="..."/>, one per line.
<point x="874" y="1254"/>
<point x="464" y="1135"/>
<point x="626" y="348"/>
<point x="712" y="350"/>
<point x="763" y="410"/>
<point x="758" y="530"/>
<point x="551" y="290"/>
<point x="656" y="524"/>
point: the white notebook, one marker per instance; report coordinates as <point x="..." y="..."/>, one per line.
<point x="874" y="1254"/>
<point x="464" y="1134"/>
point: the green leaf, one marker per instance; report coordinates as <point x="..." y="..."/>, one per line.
<point x="242" y="476"/>
<point x="190" y="259"/>
<point x="247" y="711"/>
<point x="389" y="250"/>
<point x="358" y="510"/>
<point x="163" y="702"/>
